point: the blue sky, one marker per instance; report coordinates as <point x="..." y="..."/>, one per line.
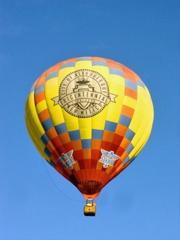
<point x="144" y="201"/>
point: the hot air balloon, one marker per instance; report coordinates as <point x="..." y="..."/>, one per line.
<point x="89" y="117"/>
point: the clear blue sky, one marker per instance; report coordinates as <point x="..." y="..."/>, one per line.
<point x="144" y="201"/>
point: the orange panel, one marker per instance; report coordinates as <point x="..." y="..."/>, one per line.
<point x="65" y="138"/>
<point x="76" y="166"/>
<point x="39" y="97"/>
<point x="129" y="92"/>
<point x="98" y="59"/>
<point x="55" y="68"/>
<point x="40" y="80"/>
<point x="52" y="133"/>
<point x="113" y="64"/>
<point x="108" y="170"/>
<point x="44" y="115"/>
<point x="96" y="144"/>
<point x="87" y="153"/>
<point x="99" y="165"/>
<point x="128" y="111"/>
<point x="76" y="144"/>
<point x="124" y="156"/>
<point x="125" y="143"/>
<point x="121" y="130"/>
<point x="108" y="136"/>
<point x="130" y="74"/>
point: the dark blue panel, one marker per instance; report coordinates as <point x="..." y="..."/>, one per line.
<point x="110" y="126"/>
<point x="74" y="135"/>
<point x="97" y="134"/>
<point x="129" y="148"/>
<point x="130" y="134"/>
<point x="86" y="143"/>
<point x="47" y="124"/>
<point x="61" y="128"/>
<point x="44" y="139"/>
<point x="124" y="120"/>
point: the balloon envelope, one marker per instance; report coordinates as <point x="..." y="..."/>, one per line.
<point x="89" y="118"/>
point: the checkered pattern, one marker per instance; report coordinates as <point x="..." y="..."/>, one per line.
<point x="115" y="136"/>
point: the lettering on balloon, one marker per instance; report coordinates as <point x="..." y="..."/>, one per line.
<point x="67" y="159"/>
<point x="108" y="158"/>
<point x="84" y="93"/>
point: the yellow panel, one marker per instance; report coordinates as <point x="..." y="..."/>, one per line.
<point x="145" y="124"/>
<point x="83" y="64"/>
<point x="103" y="70"/>
<point x="145" y="138"/>
<point x="41" y="106"/>
<point x="32" y="114"/>
<point x="85" y="128"/>
<point x="39" y="145"/>
<point x="112" y="110"/>
<point x="139" y="110"/>
<point x="130" y="102"/>
<point x="85" y="125"/>
<point x="52" y="90"/>
<point x="116" y="87"/>
<point x="98" y="121"/>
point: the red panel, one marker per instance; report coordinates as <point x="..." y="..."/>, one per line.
<point x="107" y="146"/>
<point x="68" y="146"/>
<point x="120" y="151"/>
<point x="117" y="139"/>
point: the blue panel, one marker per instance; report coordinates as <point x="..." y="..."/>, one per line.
<point x="97" y="134"/>
<point x="47" y="124"/>
<point x="124" y="120"/>
<point x="140" y="83"/>
<point x="84" y="58"/>
<point x="44" y="139"/>
<point x="126" y="160"/>
<point x="86" y="143"/>
<point x="129" y="148"/>
<point x="39" y="89"/>
<point x="74" y="135"/>
<point x="130" y="84"/>
<point x="116" y="71"/>
<point x="52" y="75"/>
<point x="110" y="126"/>
<point x="98" y="63"/>
<point x="47" y="152"/>
<point x="130" y="134"/>
<point x="32" y="89"/>
<point x="61" y="128"/>
<point x="71" y="64"/>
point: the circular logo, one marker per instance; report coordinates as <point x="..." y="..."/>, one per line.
<point x="84" y="93"/>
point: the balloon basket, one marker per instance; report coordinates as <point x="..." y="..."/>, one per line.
<point x="90" y="208"/>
